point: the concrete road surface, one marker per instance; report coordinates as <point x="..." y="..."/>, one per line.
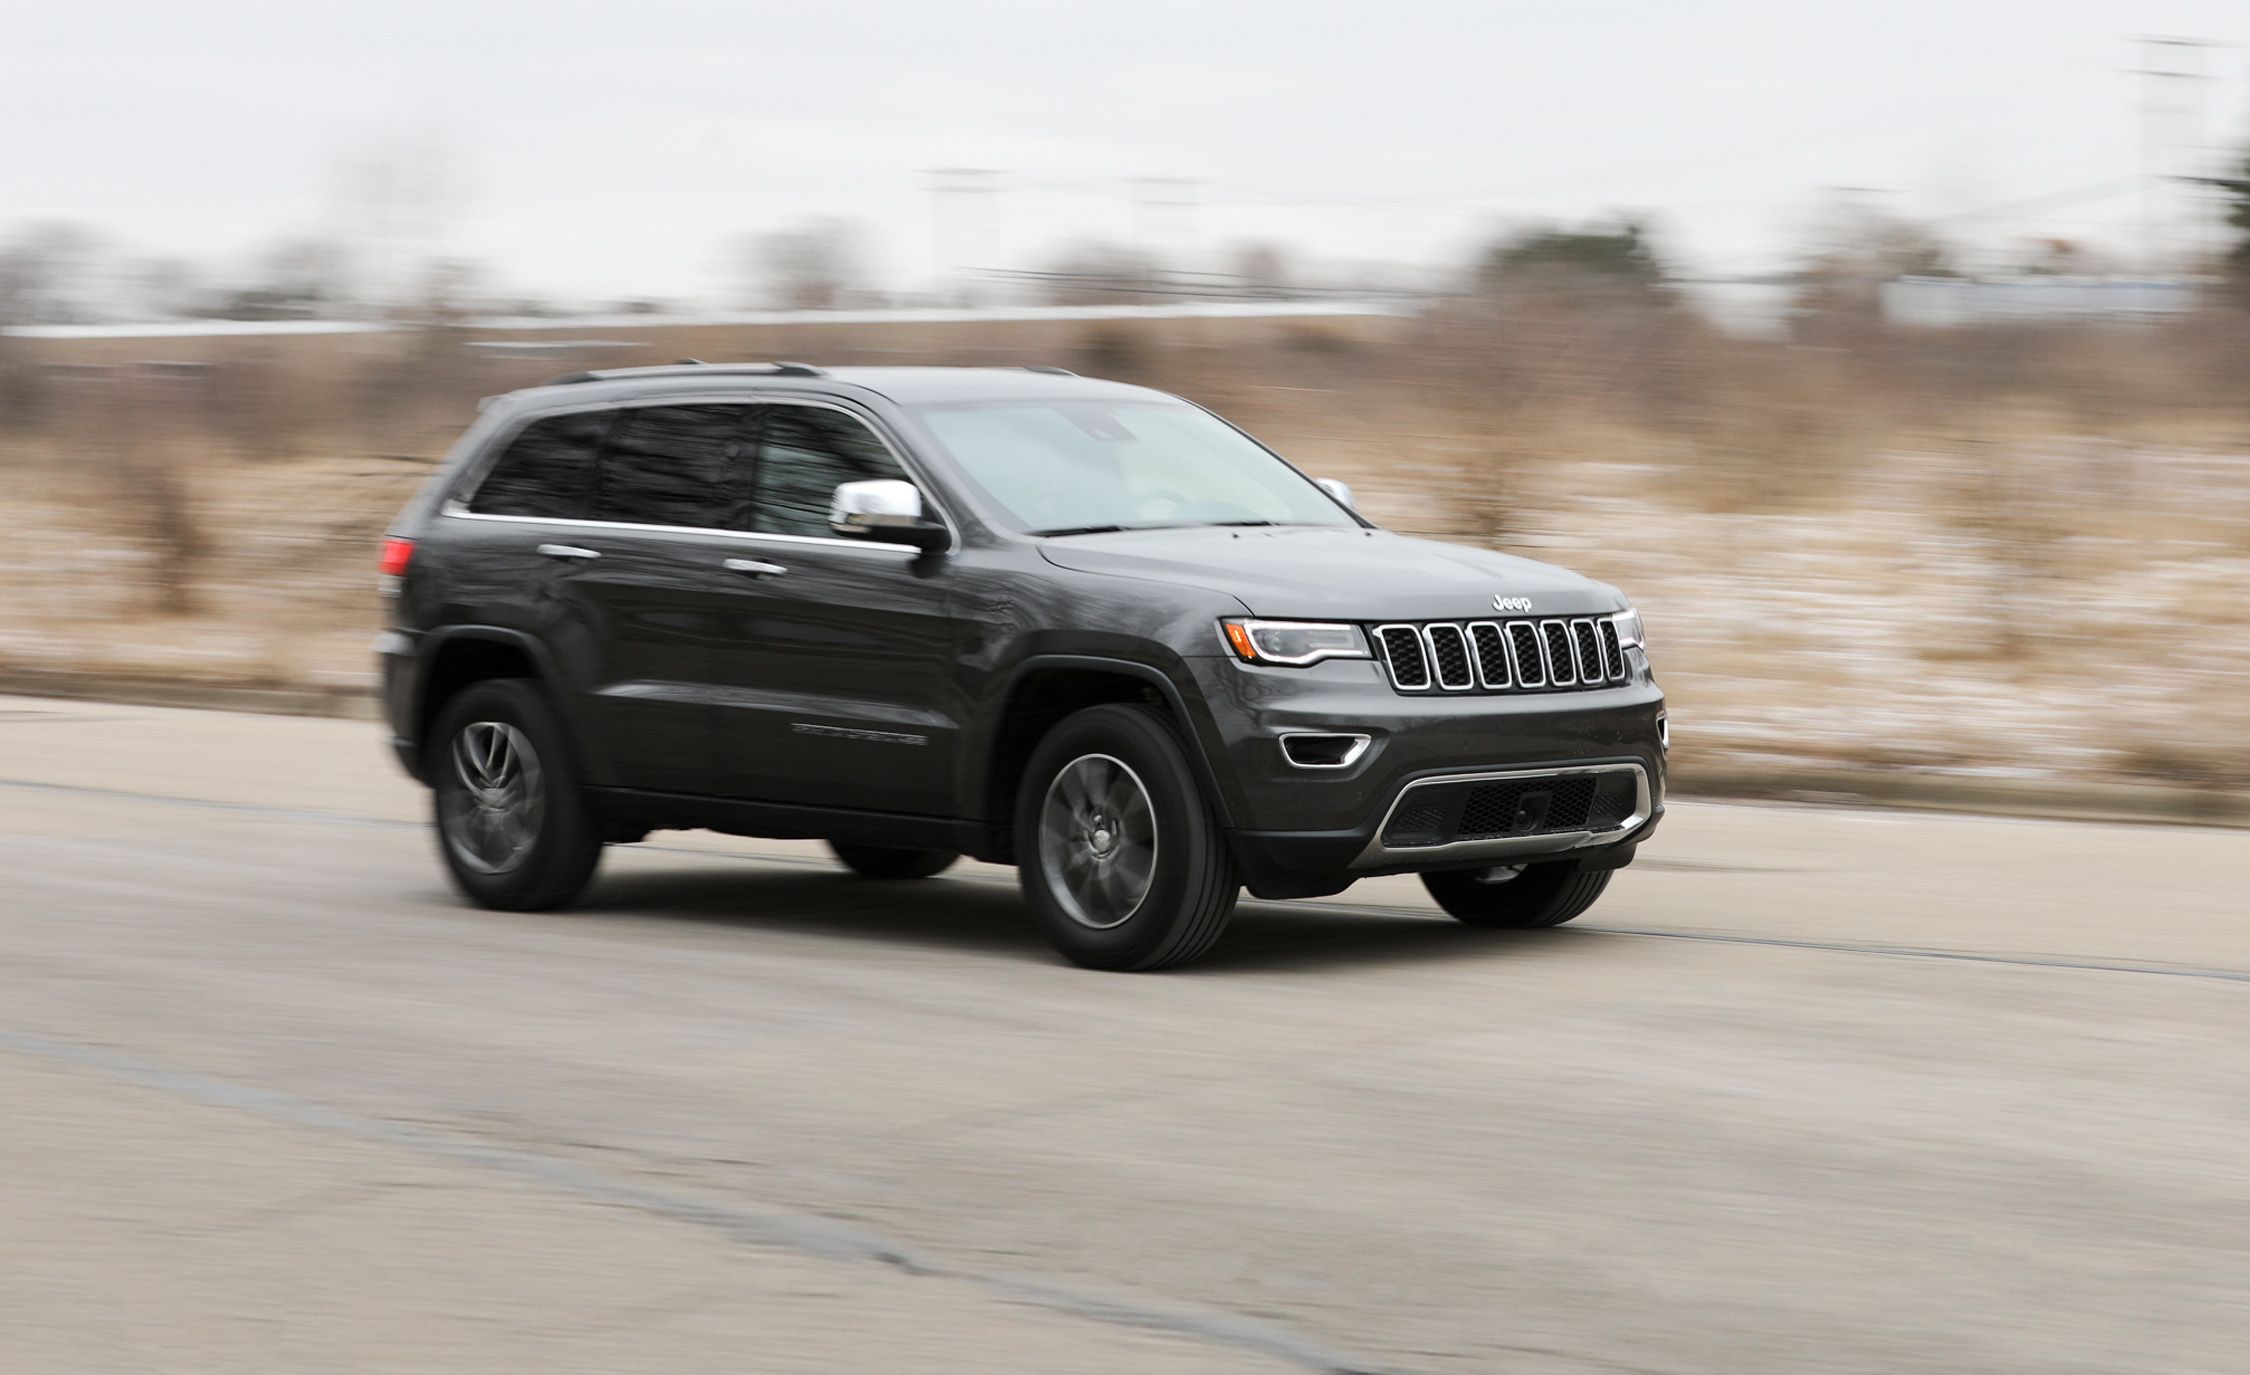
<point x="1808" y="1091"/>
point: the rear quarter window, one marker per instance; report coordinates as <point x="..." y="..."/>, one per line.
<point x="546" y="472"/>
<point x="676" y="466"/>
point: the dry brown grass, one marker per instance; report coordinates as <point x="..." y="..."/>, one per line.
<point x="2020" y="551"/>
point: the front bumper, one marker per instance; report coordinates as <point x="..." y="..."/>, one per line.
<point x="1300" y="831"/>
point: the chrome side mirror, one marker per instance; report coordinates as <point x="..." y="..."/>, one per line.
<point x="887" y="510"/>
<point x="1341" y="491"/>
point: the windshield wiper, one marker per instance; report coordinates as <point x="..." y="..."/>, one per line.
<point x="1088" y="530"/>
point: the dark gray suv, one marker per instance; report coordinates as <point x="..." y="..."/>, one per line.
<point x="1084" y="628"/>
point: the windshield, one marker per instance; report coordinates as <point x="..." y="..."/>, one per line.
<point x="1081" y="467"/>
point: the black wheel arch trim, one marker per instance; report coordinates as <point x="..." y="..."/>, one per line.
<point x="430" y="648"/>
<point x="1192" y="727"/>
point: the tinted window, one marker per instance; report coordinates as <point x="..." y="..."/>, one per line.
<point x="674" y="465"/>
<point x="546" y="471"/>
<point x="808" y="451"/>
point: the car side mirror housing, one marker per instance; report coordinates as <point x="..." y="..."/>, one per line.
<point x="886" y="510"/>
<point x="1341" y="491"/>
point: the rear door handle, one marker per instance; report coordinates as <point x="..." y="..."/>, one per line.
<point x="756" y="568"/>
<point x="568" y="551"/>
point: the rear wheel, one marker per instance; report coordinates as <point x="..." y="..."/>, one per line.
<point x="888" y="862"/>
<point x="1122" y="860"/>
<point x="513" y="825"/>
<point x="1520" y="896"/>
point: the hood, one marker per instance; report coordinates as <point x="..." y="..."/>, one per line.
<point x="1347" y="575"/>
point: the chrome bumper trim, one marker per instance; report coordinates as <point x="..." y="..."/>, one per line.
<point x="1377" y="854"/>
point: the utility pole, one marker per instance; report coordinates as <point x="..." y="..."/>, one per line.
<point x="1164" y="220"/>
<point x="965" y="229"/>
<point x="2172" y="82"/>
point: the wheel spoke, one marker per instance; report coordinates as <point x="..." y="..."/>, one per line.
<point x="1097" y="840"/>
<point x="493" y="819"/>
<point x="465" y="762"/>
<point x="1131" y="870"/>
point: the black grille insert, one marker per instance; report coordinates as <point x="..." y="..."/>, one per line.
<point x="1492" y="654"/>
<point x="1589" y="651"/>
<point x="1450" y="649"/>
<point x="1501" y="808"/>
<point x="1402" y="651"/>
<point x="1531" y="665"/>
<point x="1556" y="637"/>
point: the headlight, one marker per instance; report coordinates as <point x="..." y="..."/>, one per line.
<point x="1628" y="624"/>
<point x="1295" y="643"/>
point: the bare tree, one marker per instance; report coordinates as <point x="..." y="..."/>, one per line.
<point x="1856" y="247"/>
<point x="51" y="274"/>
<point x="813" y="265"/>
<point x="1262" y="269"/>
<point x="162" y="288"/>
<point x="1097" y="273"/>
<point x="300" y="278"/>
<point x="395" y="201"/>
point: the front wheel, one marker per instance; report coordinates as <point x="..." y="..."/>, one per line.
<point x="1122" y="860"/>
<point x="515" y="828"/>
<point x="1520" y="896"/>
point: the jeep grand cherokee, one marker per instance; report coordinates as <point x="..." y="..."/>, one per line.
<point x="1084" y="628"/>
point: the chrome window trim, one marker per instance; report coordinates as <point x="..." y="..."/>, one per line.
<point x="465" y="487"/>
<point x="1352" y="756"/>
<point x="456" y="511"/>
<point x="1468" y="656"/>
<point x="1500" y="847"/>
<point x="1547" y="652"/>
<point x="1476" y="656"/>
<point x="1390" y="665"/>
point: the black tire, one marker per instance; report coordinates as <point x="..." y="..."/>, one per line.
<point x="560" y="839"/>
<point x="1190" y="886"/>
<point x="1537" y="895"/>
<point x="887" y="862"/>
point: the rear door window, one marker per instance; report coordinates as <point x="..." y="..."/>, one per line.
<point x="547" y="470"/>
<point x="675" y="465"/>
<point x="807" y="452"/>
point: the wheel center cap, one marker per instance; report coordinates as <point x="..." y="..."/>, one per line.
<point x="1101" y="840"/>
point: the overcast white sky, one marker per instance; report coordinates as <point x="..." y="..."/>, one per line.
<point x="612" y="148"/>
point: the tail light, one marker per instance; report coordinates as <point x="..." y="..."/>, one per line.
<point x="397" y="553"/>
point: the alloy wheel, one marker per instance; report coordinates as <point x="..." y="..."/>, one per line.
<point x="1097" y="840"/>
<point x="493" y="813"/>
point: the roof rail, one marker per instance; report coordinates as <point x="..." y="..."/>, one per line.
<point x="1050" y="369"/>
<point x="684" y="368"/>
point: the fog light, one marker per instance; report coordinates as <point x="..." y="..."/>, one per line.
<point x="1323" y="749"/>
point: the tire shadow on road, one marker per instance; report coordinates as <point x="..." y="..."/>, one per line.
<point x="982" y="915"/>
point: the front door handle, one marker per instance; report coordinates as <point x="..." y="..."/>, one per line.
<point x="756" y="568"/>
<point x="569" y="551"/>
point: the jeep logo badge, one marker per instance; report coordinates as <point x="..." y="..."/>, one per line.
<point x="1511" y="603"/>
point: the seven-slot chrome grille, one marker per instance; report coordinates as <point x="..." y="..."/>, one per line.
<point x="1537" y="655"/>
